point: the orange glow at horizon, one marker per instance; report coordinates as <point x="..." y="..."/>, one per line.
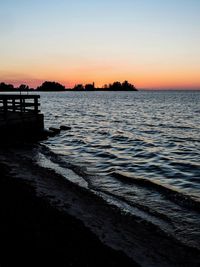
<point x="148" y="80"/>
<point x="172" y="84"/>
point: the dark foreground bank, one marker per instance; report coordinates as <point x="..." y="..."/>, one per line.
<point x="53" y="218"/>
<point x="33" y="233"/>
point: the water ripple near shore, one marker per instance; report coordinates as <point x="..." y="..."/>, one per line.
<point x="173" y="212"/>
<point x="136" y="144"/>
<point x="152" y="135"/>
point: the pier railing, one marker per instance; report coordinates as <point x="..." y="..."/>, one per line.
<point x="19" y="103"/>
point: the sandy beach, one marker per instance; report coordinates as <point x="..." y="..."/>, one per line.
<point x="34" y="233"/>
<point x="48" y="218"/>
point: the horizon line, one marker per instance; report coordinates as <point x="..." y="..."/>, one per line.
<point x="17" y="83"/>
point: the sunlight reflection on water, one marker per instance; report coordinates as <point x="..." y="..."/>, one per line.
<point x="153" y="135"/>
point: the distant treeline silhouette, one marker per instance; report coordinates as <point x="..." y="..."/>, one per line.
<point x="55" y="86"/>
<point x="116" y="86"/>
<point x="9" y="87"/>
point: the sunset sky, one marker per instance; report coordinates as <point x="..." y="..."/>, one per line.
<point x="151" y="43"/>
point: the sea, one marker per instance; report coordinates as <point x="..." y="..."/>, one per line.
<point x="137" y="150"/>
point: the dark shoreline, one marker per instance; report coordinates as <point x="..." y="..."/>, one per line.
<point x="33" y="233"/>
<point x="49" y="215"/>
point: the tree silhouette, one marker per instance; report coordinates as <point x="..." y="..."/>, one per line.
<point x="6" y="87"/>
<point x="23" y="87"/>
<point x="78" y="87"/>
<point x="125" y="86"/>
<point x="51" y="86"/>
<point x="89" y="87"/>
<point x="116" y="86"/>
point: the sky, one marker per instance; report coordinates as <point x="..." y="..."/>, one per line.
<point x="151" y="43"/>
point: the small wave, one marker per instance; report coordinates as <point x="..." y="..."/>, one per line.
<point x="100" y="146"/>
<point x="103" y="132"/>
<point x="119" y="138"/>
<point x="106" y="155"/>
<point x="147" y="155"/>
<point x="170" y="126"/>
<point x="151" y="132"/>
<point x="186" y="166"/>
<point x="176" y="196"/>
<point x="56" y="158"/>
<point x="78" y="142"/>
<point x="183" y="139"/>
<point x="117" y="121"/>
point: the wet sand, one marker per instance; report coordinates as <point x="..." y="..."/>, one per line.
<point x="34" y="233"/>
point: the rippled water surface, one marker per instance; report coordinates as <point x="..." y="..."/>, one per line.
<point x="151" y="135"/>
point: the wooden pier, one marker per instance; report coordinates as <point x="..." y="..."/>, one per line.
<point x="19" y="103"/>
<point x="20" y="117"/>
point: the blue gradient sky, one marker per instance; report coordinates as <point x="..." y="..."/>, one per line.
<point x="154" y="44"/>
